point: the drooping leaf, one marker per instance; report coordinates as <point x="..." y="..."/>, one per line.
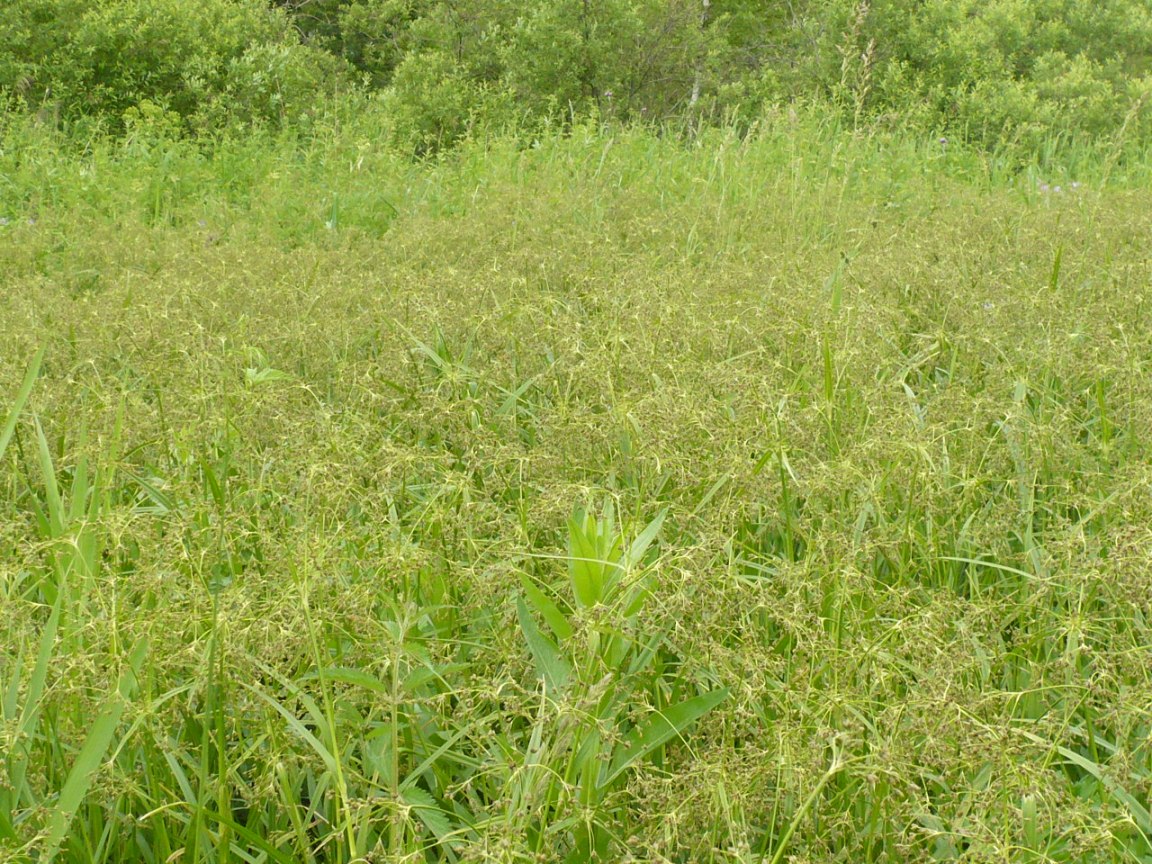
<point x="298" y="727"/>
<point x="33" y="700"/>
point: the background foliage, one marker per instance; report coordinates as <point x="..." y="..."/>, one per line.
<point x="1007" y="70"/>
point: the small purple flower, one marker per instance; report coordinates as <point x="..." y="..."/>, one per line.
<point x="1043" y="187"/>
<point x="607" y="94"/>
<point x="987" y="304"/>
<point x="943" y="142"/>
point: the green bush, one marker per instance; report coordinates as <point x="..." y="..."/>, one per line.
<point x="1011" y="69"/>
<point x="206" y="61"/>
<point x="432" y="102"/>
<point x="991" y="71"/>
<point x="627" y="59"/>
<point x="373" y="36"/>
<point x="272" y="81"/>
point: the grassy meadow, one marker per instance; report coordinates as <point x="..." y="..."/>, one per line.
<point x="606" y="496"/>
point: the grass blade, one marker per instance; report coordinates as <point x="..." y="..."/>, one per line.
<point x="249" y="835"/>
<point x="92" y="753"/>
<point x="345" y="675"/>
<point x="56" y="515"/>
<point x="33" y="701"/>
<point x="1139" y="813"/>
<point x="298" y="727"/>
<point x="661" y="728"/>
<point x="21" y="398"/>
<point x="544" y="651"/>
<point x="641" y="543"/>
<point x="782" y="846"/>
<point x="1054" y="277"/>
<point x="548" y="610"/>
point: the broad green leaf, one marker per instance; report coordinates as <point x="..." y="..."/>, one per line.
<point x="587" y="765"/>
<point x="593" y="555"/>
<point x="549" y="663"/>
<point x="7" y="830"/>
<point x="662" y="727"/>
<point x="421" y="675"/>
<point x="257" y="377"/>
<point x="583" y="565"/>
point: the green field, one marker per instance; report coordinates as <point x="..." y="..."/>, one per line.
<point x="604" y="496"/>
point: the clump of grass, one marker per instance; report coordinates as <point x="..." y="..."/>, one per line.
<point x="751" y="499"/>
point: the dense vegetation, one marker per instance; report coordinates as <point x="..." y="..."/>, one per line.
<point x="773" y="498"/>
<point x="459" y="431"/>
<point x="1005" y="71"/>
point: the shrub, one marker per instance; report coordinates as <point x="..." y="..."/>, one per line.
<point x="991" y="71"/>
<point x="431" y="101"/>
<point x="206" y="61"/>
<point x="1012" y="68"/>
<point x="373" y="36"/>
